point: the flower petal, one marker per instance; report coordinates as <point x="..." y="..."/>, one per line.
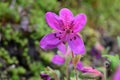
<point x="79" y="65"/>
<point x="79" y="22"/>
<point x="116" y="75"/>
<point x="86" y="69"/>
<point x="58" y="60"/>
<point x="68" y="51"/>
<point x="45" y="76"/>
<point x="89" y="71"/>
<point x="50" y="41"/>
<point x="53" y="21"/>
<point x="62" y="48"/>
<point x="95" y="52"/>
<point x="66" y="15"/>
<point x="76" y="44"/>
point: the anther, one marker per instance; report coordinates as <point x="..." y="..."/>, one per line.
<point x="74" y="38"/>
<point x="55" y="35"/>
<point x="63" y="42"/>
<point x="68" y="31"/>
<point x="60" y="32"/>
<point x="70" y="39"/>
<point x="59" y="38"/>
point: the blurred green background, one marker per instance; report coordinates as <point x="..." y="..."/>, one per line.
<point x="22" y="25"/>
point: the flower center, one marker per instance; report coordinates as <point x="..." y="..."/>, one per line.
<point x="68" y="31"/>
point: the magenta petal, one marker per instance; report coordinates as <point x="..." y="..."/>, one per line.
<point x="76" y="44"/>
<point x="45" y="76"/>
<point x="90" y="71"/>
<point x="62" y="48"/>
<point x="79" y="22"/>
<point x="86" y="69"/>
<point x="58" y="60"/>
<point x="79" y="65"/>
<point x="116" y="75"/>
<point x="49" y="41"/>
<point x="66" y="15"/>
<point x="68" y="50"/>
<point x="53" y="21"/>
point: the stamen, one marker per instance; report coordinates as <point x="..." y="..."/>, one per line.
<point x="60" y="32"/>
<point x="55" y="35"/>
<point x="63" y="42"/>
<point x="68" y="31"/>
<point x="59" y="38"/>
<point x="70" y="39"/>
<point x="74" y="38"/>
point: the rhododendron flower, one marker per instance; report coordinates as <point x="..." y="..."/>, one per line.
<point x="66" y="27"/>
<point x="116" y="76"/>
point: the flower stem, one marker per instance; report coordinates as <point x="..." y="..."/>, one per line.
<point x="67" y="74"/>
<point x="105" y="73"/>
<point x="67" y="68"/>
<point x="76" y="74"/>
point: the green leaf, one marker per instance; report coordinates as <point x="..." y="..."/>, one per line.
<point x="114" y="61"/>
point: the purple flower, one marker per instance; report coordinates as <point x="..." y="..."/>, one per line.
<point x="66" y="27"/>
<point x="45" y="77"/>
<point x="116" y="76"/>
<point x="89" y="71"/>
<point x="79" y="65"/>
<point x="96" y="53"/>
<point x="60" y="59"/>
